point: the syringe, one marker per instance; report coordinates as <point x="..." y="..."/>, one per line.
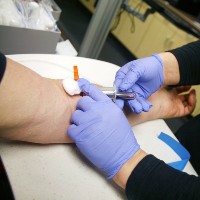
<point x="72" y="88"/>
<point x="112" y="93"/>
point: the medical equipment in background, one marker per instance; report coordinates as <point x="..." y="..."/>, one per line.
<point x="27" y="14"/>
<point x="99" y="28"/>
<point x="106" y="11"/>
<point x="175" y="16"/>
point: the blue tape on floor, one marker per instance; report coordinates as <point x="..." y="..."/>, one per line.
<point x="178" y="149"/>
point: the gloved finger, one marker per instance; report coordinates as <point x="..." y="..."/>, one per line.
<point x="85" y="103"/>
<point x="146" y="105"/>
<point x="76" y="133"/>
<point x="118" y="78"/>
<point x="137" y="90"/>
<point x="120" y="103"/>
<point x="117" y="83"/>
<point x="129" y="80"/>
<point x="121" y="73"/>
<point x="71" y="130"/>
<point x="83" y="84"/>
<point x="135" y="106"/>
<point x="79" y="117"/>
<point x="92" y="90"/>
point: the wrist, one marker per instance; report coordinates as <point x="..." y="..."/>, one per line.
<point x="171" y="69"/>
<point x="125" y="171"/>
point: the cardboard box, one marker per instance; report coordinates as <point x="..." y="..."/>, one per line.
<point x="15" y="40"/>
<point x="56" y="10"/>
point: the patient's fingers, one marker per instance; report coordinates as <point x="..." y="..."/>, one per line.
<point x="187" y="103"/>
<point x="190" y="101"/>
<point x="85" y="103"/>
<point x="182" y="89"/>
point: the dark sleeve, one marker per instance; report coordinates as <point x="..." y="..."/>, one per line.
<point x="2" y="65"/>
<point x="188" y="57"/>
<point x="153" y="179"/>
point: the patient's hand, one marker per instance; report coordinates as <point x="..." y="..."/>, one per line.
<point x="166" y="104"/>
<point x="33" y="108"/>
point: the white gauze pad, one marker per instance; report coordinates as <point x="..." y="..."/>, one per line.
<point x="71" y="86"/>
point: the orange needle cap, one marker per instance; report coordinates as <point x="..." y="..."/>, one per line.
<point x="76" y="76"/>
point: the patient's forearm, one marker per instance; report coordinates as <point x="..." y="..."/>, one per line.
<point x="156" y="111"/>
<point x="33" y="108"/>
<point x="37" y="109"/>
<point x="135" y="119"/>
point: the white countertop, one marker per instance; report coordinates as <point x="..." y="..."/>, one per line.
<point x="46" y="172"/>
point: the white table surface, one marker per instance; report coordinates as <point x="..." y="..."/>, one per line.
<point x="52" y="172"/>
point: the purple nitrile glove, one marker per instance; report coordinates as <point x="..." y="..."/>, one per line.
<point x="144" y="77"/>
<point x="101" y="131"/>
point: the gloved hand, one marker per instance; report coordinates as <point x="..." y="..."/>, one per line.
<point x="101" y="131"/>
<point x="143" y="76"/>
